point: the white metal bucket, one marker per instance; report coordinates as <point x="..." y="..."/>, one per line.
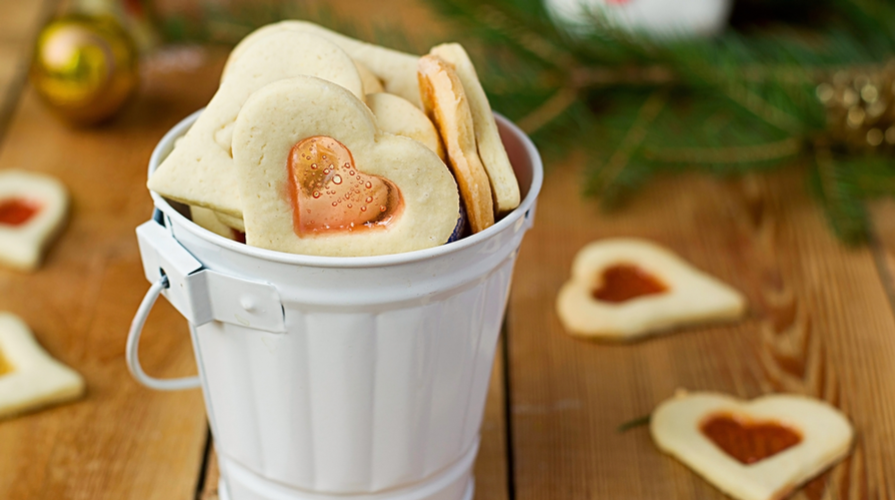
<point x="358" y="378"/>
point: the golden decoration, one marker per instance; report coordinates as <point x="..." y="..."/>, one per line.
<point x="860" y="110"/>
<point x="84" y="67"/>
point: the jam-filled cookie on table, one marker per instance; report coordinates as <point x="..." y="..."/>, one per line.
<point x="32" y="211"/>
<point x="762" y="449"/>
<point x="623" y="289"/>
<point x="29" y="377"/>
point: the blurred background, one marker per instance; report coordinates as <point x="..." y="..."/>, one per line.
<point x="640" y="87"/>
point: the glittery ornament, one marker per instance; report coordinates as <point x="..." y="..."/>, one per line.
<point x="860" y="107"/>
<point x="84" y="67"/>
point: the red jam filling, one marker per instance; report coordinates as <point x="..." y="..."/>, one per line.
<point x="623" y="282"/>
<point x="329" y="194"/>
<point x="746" y="440"/>
<point x="17" y="211"/>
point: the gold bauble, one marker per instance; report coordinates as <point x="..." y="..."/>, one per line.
<point x="85" y="67"/>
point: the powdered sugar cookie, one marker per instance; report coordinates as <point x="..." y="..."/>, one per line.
<point x="32" y="211"/>
<point x="752" y="450"/>
<point x="396" y="70"/>
<point x="494" y="157"/>
<point x="325" y="181"/>
<point x="445" y="102"/>
<point x="626" y="288"/>
<point x="199" y="171"/>
<point x="398" y="116"/>
<point x="29" y="377"/>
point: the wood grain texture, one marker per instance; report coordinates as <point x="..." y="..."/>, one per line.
<point x="122" y="440"/>
<point x="820" y="324"/>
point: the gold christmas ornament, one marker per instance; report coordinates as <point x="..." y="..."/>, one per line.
<point x="84" y="67"/>
<point x="861" y="107"/>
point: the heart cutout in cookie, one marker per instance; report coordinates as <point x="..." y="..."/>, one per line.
<point x="32" y="210"/>
<point x="329" y="193"/>
<point x="15" y="211"/>
<point x="29" y="377"/>
<point x="752" y="450"/>
<point x="747" y="440"/>
<point x="398" y="194"/>
<point x="623" y="282"/>
<point x="626" y="288"/>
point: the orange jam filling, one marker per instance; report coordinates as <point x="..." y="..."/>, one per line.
<point x="17" y="211"/>
<point x="746" y="440"/>
<point x="623" y="282"/>
<point x="329" y="194"/>
<point x="5" y="366"/>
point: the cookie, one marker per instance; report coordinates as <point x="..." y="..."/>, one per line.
<point x="199" y="171"/>
<point x="752" y="450"/>
<point x="444" y="101"/>
<point x="211" y="220"/>
<point x="504" y="185"/>
<point x="371" y="82"/>
<point x="398" y="116"/>
<point x="396" y="70"/>
<point x="623" y="289"/>
<point x="32" y="211"/>
<point x="320" y="178"/>
<point x="29" y="377"/>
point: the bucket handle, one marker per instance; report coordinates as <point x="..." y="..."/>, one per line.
<point x="133" y="345"/>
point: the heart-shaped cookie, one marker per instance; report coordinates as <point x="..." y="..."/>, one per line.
<point x="320" y="178"/>
<point x="29" y="377"/>
<point x="757" y="450"/>
<point x="444" y="100"/>
<point x="398" y="116"/>
<point x="32" y="211"/>
<point x="396" y="70"/>
<point x="504" y="186"/>
<point x="199" y="171"/>
<point x="626" y="288"/>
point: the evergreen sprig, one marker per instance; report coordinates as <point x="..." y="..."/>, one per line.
<point x="741" y="101"/>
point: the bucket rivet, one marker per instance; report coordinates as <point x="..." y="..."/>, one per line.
<point x="247" y="303"/>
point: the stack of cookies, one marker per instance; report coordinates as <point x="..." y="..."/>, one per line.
<point x="319" y="144"/>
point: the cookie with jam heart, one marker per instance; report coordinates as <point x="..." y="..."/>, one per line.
<point x="29" y="377"/>
<point x="752" y="450"/>
<point x="395" y="70"/>
<point x="32" y="210"/>
<point x="622" y="289"/>
<point x="199" y="171"/>
<point x="318" y="177"/>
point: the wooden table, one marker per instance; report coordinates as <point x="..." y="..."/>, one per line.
<point x="821" y="320"/>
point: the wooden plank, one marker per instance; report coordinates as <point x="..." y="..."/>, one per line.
<point x="19" y="24"/>
<point x="820" y="325"/>
<point x="122" y="440"/>
<point x="491" y="464"/>
<point x="883" y="215"/>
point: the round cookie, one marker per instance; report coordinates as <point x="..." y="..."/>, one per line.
<point x="504" y="185"/>
<point x="396" y="70"/>
<point x="445" y="102"/>
<point x="398" y="116"/>
<point x="324" y="180"/>
<point x="199" y="171"/>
